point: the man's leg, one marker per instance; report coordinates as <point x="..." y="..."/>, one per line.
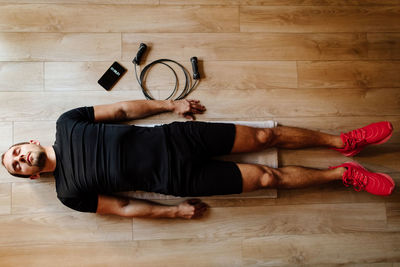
<point x="258" y="176"/>
<point x="249" y="139"/>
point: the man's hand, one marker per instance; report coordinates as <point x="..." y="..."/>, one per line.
<point x="191" y="209"/>
<point x="188" y="107"/>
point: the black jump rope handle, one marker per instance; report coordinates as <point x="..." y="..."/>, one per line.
<point x="196" y="74"/>
<point x="142" y="50"/>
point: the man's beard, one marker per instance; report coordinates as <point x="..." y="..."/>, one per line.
<point x="39" y="159"/>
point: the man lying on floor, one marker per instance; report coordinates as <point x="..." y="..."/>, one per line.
<point x="92" y="158"/>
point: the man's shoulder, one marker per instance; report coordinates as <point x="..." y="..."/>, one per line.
<point x="77" y="114"/>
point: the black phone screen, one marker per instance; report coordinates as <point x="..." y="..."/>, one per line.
<point x="112" y="76"/>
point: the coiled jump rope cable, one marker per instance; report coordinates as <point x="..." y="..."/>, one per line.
<point x="188" y="82"/>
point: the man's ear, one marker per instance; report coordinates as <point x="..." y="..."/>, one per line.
<point x="35" y="176"/>
<point x="36" y="142"/>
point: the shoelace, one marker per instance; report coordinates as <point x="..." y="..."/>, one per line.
<point x="354" y="138"/>
<point x="358" y="179"/>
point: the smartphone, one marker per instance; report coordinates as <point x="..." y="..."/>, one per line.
<point x="112" y="76"/>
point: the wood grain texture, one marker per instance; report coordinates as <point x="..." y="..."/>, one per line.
<point x="337" y="125"/>
<point x="200" y="2"/>
<point x="117" y="18"/>
<point x="6" y="135"/>
<point x="59" y="46"/>
<point x="248" y="46"/>
<point x="393" y="215"/>
<point x="383" y="45"/>
<point x="5" y="198"/>
<point x="319" y="64"/>
<point x="281" y="2"/>
<point x="221" y="2"/>
<point x="57" y="103"/>
<point x="134" y="253"/>
<point x="289" y="250"/>
<point x="122" y="2"/>
<point x="215" y="75"/>
<point x="248" y="103"/>
<point x="83" y="76"/>
<point x="377" y="159"/>
<point x="319" y="19"/>
<point x="273" y="103"/>
<point x="348" y="74"/>
<point x="26" y="130"/>
<point x="68" y="226"/>
<point x="42" y="198"/>
<point x="319" y="2"/>
<point x="21" y="76"/>
<point x="6" y="140"/>
<point x="251" y="221"/>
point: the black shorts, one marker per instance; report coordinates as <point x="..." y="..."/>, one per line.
<point x="193" y="172"/>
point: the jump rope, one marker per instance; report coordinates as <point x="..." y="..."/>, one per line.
<point x="189" y="84"/>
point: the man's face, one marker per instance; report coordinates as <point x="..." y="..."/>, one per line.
<point x="26" y="159"/>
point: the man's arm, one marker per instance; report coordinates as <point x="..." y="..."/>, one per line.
<point x="136" y="109"/>
<point x="140" y="208"/>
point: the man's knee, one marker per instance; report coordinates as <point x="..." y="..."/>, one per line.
<point x="268" y="178"/>
<point x="265" y="137"/>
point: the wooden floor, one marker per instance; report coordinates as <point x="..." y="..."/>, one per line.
<point x="327" y="65"/>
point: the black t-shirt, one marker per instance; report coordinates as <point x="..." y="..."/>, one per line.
<point x="98" y="158"/>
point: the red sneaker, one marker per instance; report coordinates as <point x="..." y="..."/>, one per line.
<point x="375" y="183"/>
<point x="373" y="134"/>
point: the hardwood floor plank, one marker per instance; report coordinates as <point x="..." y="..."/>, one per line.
<point x="319" y="64"/>
<point x="377" y="159"/>
<point x="21" y="76"/>
<point x="28" y="130"/>
<point x="5" y="177"/>
<point x="6" y="140"/>
<point x="247" y="46"/>
<point x="117" y="18"/>
<point x="82" y="76"/>
<point x="223" y="2"/>
<point x="6" y="135"/>
<point x="348" y="74"/>
<point x="384" y="45"/>
<point x="5" y="198"/>
<point x="135" y="253"/>
<point x="319" y="19"/>
<point x="318" y="2"/>
<point x="283" y="2"/>
<point x="334" y="192"/>
<point x="249" y="75"/>
<point x="253" y="104"/>
<point x="122" y="2"/>
<point x="268" y="220"/>
<point x="201" y="2"/>
<point x="273" y="103"/>
<point x="289" y="250"/>
<point x="42" y="198"/>
<point x="70" y="226"/>
<point x="393" y="215"/>
<point x="56" y="103"/>
<point x="337" y="125"/>
<point x="60" y="47"/>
